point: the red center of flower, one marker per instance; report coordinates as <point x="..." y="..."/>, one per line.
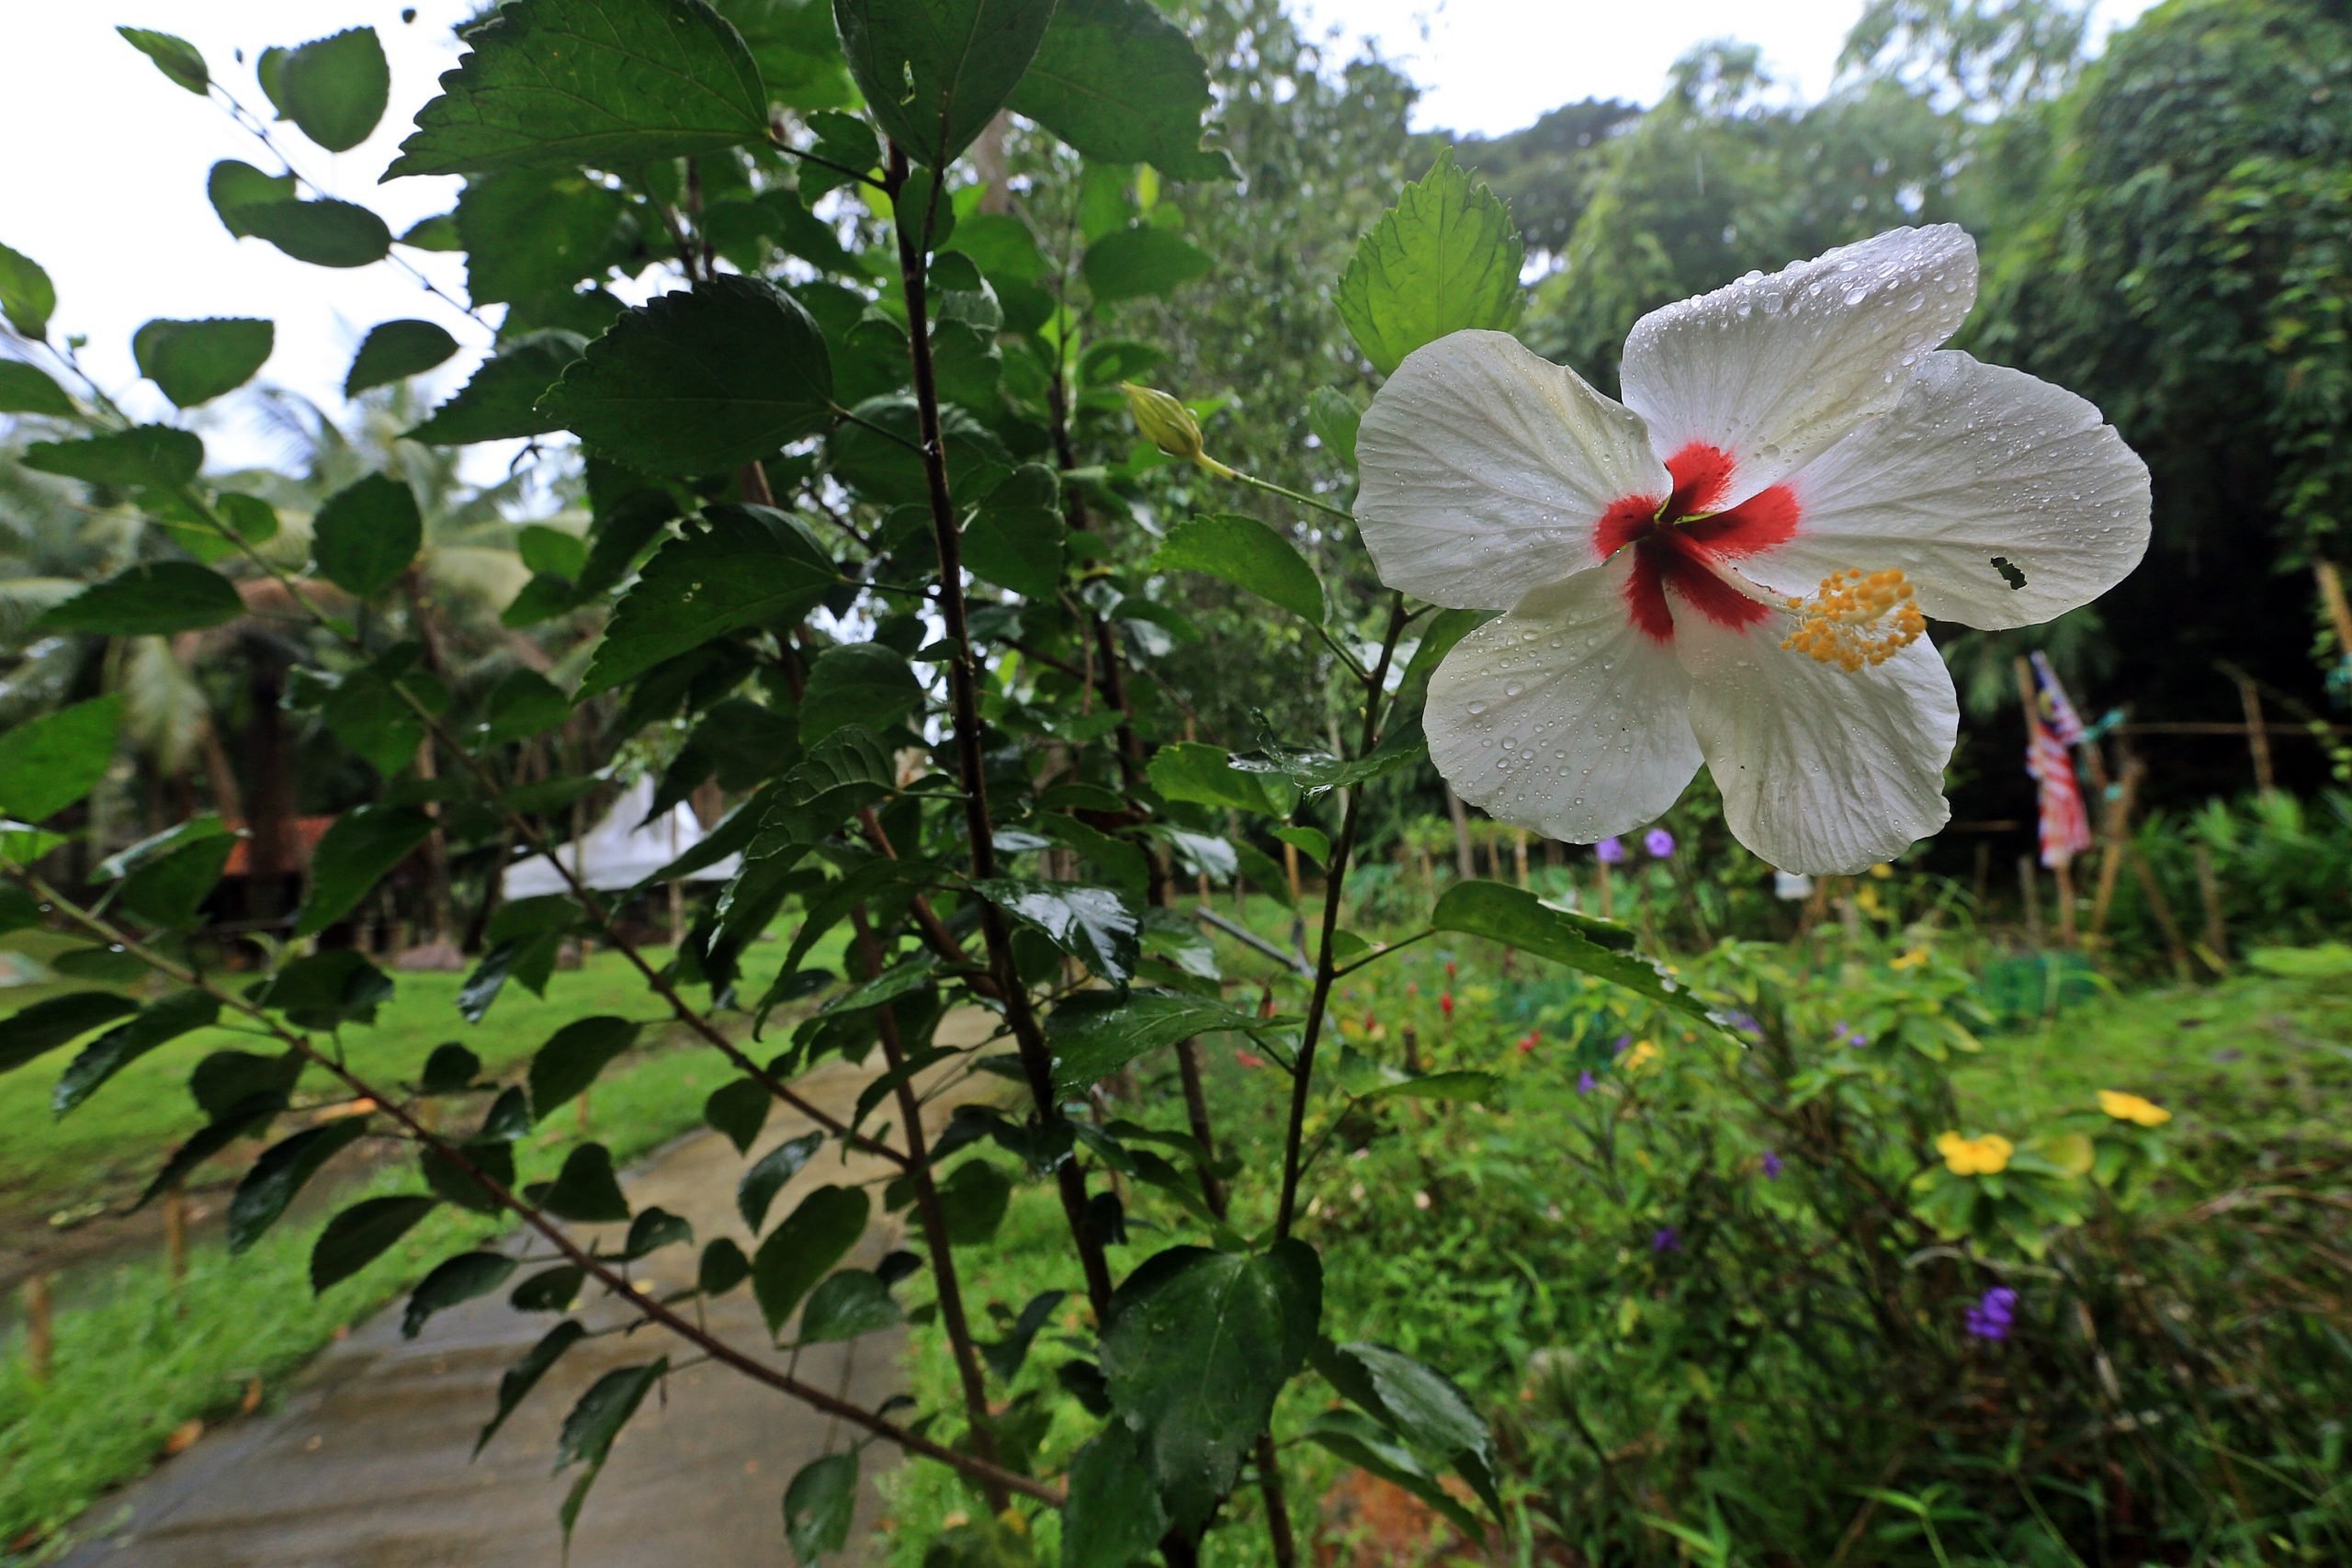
<point x="1677" y="539"/>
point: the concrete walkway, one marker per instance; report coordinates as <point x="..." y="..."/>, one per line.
<point x="366" y="1466"/>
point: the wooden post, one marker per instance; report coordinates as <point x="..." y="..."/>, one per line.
<point x="2257" y="737"/>
<point x="2117" y="839"/>
<point x="580" y="1112"/>
<point x="1290" y="868"/>
<point x="40" y="1332"/>
<point x="2176" y="946"/>
<point x="1606" y="912"/>
<point x="2063" y="874"/>
<point x="2339" y="611"/>
<point x="1519" y="854"/>
<point x="2030" y="890"/>
<point x="2208" y="890"/>
<point x="1462" y="861"/>
<point x="175" y="1239"/>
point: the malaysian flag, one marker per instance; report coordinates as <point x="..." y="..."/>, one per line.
<point x="2063" y="722"/>
<point x="2066" y="826"/>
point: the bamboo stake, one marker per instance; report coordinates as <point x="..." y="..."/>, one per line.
<point x="1519" y="854"/>
<point x="40" y="1332"/>
<point x="2117" y="838"/>
<point x="2176" y="946"/>
<point x="2339" y="611"/>
<point x="2208" y="890"/>
<point x="2257" y="738"/>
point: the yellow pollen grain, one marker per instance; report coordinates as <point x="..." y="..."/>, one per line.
<point x="1856" y="619"/>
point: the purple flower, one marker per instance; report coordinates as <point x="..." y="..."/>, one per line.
<point x="1586" y="1083"/>
<point x="1994" y="1315"/>
<point x="1618" y="1048"/>
<point x="1849" y="1035"/>
<point x="1659" y="842"/>
<point x="1745" y="1023"/>
<point x="1665" y="1238"/>
<point x="1771" y="1165"/>
<point x="1609" y="852"/>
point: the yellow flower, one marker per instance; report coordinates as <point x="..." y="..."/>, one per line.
<point x="1985" y="1156"/>
<point x="1911" y="960"/>
<point x="2131" y="1108"/>
<point x="1643" y="1054"/>
<point x="1867" y="901"/>
<point x="1882" y="871"/>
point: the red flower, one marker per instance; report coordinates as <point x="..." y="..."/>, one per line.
<point x="1249" y="1060"/>
<point x="1528" y="1044"/>
<point x="1449" y="971"/>
<point x="1445" y="1004"/>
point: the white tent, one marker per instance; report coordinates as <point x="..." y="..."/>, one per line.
<point x="618" y="851"/>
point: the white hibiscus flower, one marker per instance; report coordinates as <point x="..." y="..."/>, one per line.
<point x="1735" y="566"/>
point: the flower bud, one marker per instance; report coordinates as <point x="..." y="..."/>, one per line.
<point x="1168" y="425"/>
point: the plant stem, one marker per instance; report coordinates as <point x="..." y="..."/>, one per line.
<point x="1334" y="889"/>
<point x="1289" y="494"/>
<point x="600" y="1268"/>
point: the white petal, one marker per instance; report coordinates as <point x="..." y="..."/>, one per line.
<point x="1822" y="772"/>
<point x="1563" y="717"/>
<point x="1774" y="370"/>
<point x="1977" y="461"/>
<point x="1486" y="468"/>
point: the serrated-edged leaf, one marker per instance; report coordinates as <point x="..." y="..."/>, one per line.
<point x="363" y="1232"/>
<point x="464" y="1184"/>
<point x="852" y="1303"/>
<point x="50" y="762"/>
<point x="327" y="989"/>
<point x="500" y="403"/>
<point x="266" y="1190"/>
<point x="145" y="455"/>
<point x="739" y="1109"/>
<point x="1094" y="925"/>
<point x="585" y="1190"/>
<point x="1138" y="262"/>
<point x="364" y="845"/>
<point x="195" y="362"/>
<point x="453" y="1280"/>
<point x="1516" y="917"/>
<point x="174" y="56"/>
<point x="1334" y="419"/>
<point x="1192" y="770"/>
<point x="158" y="599"/>
<point x="226" y="1079"/>
<point x="819" y="1505"/>
<point x="26" y="296"/>
<point x="366" y="534"/>
<point x="1197" y="1346"/>
<point x="613" y="84"/>
<point x="451" y="1069"/>
<point x="1445" y="258"/>
<point x="804" y="1249"/>
<point x="335" y="88"/>
<point x="700" y="380"/>
<point x="33" y="1032"/>
<point x="598" y="1417"/>
<point x="234" y="187"/>
<point x="572" y="1058"/>
<point x="746" y="566"/>
<point x="652" y="1229"/>
<point x="858" y="683"/>
<point x="1418" y="1403"/>
<point x="768" y="1174"/>
<point x="518" y="1380"/>
<point x="28" y="389"/>
<point x="326" y="233"/>
<point x="723" y="1267"/>
<point x="1246" y="553"/>
<point x="1362" y="1442"/>
<point x="1121" y="84"/>
<point x="935" y="71"/>
<point x="158" y="1023"/>
<point x="226" y="1127"/>
<point x="1017" y="537"/>
<point x="532" y="234"/>
<point x="169" y="890"/>
<point x="1094" y="1033"/>
<point x="1112" y="1516"/>
<point x="393" y="351"/>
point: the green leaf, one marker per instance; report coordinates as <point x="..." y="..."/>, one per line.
<point x="739" y="1109"/>
<point x="1246" y="553"/>
<point x="804" y="1248"/>
<point x="1445" y="258"/>
<point x="1363" y="1443"/>
<point x="1190" y="769"/>
<point x="394" y="351"/>
<point x="572" y="1058"/>
<point x="145" y="455"/>
<point x="700" y="380"/>
<point x="325" y="232"/>
<point x="280" y="1173"/>
<point x="28" y="389"/>
<point x="770" y="1172"/>
<point x="334" y="87"/>
<point x="465" y="1185"/>
<point x="1333" y="418"/>
<point x="518" y="1380"/>
<point x="1004" y="1358"/>
<point x="234" y="187"/>
<point x="327" y="989"/>
<point x="455" y="1280"/>
<point x="1135" y="263"/>
<point x="972" y="1201"/>
<point x="595" y="1422"/>
<point x="723" y="1267"/>
<point x="529" y="233"/>
<point x="363" y="1232"/>
<point x="1113" y="1516"/>
<point x="169" y="890"/>
<point x="935" y="71"/>
<point x="34" y="1031"/>
<point x="655" y="1229"/>
<point x="585" y="1190"/>
<point x="50" y="762"/>
<point x="227" y="1126"/>
<point x="819" y="1505"/>
<point x="366" y="534"/>
<point x="225" y="1079"/>
<point x="500" y="402"/>
<point x="1418" y="1404"/>
<point x="451" y="1069"/>
<point x="195" y="362"/>
<point x="1198" y="1346"/>
<point x="852" y="1302"/>
<point x="175" y="57"/>
<point x="609" y="83"/>
<point x="1091" y="924"/>
<point x="155" y="600"/>
<point x="27" y="297"/>
<point x="857" y="682"/>
<point x="158" y="1023"/>
<point x="746" y="566"/>
<point x="524" y="703"/>
<point x="364" y="843"/>
<point x="1123" y="84"/>
<point x="1017" y="538"/>
<point x="1516" y="917"/>
<point x="1094" y="1033"/>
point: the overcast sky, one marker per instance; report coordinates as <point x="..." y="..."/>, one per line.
<point x="103" y="183"/>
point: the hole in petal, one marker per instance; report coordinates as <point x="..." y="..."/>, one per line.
<point x="2009" y="572"/>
